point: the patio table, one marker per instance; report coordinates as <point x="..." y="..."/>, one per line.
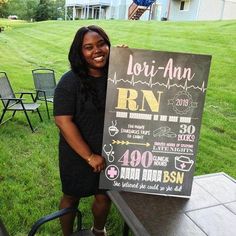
<point x="211" y="210"/>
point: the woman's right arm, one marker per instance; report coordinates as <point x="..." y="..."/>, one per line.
<point x="74" y="138"/>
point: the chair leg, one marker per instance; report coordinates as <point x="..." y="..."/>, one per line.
<point x="2" y="116"/>
<point x="39" y="115"/>
<point x="13" y="114"/>
<point x="3" y="113"/>
<point x="47" y="109"/>
<point x="27" y="117"/>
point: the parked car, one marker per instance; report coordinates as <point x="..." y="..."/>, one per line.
<point x="13" y="17"/>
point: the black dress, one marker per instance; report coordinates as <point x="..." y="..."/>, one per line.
<point x="77" y="176"/>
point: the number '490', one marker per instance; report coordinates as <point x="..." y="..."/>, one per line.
<point x="135" y="158"/>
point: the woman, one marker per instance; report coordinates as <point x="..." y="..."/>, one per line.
<point x="79" y="107"/>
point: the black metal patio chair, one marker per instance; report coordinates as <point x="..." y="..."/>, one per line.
<point x="3" y="230"/>
<point x="78" y="232"/>
<point x="13" y="104"/>
<point x="45" y="84"/>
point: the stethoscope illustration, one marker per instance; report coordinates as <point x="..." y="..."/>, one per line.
<point x="109" y="153"/>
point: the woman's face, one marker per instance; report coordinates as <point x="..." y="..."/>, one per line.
<point x="96" y="52"/>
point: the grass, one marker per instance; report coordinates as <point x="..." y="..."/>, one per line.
<point x="29" y="178"/>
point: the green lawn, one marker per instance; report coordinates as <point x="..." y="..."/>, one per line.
<point x="29" y="180"/>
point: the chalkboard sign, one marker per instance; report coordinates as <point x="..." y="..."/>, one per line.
<point x="153" y="116"/>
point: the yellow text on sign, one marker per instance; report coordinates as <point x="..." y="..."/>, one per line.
<point x="127" y="99"/>
<point x="173" y="177"/>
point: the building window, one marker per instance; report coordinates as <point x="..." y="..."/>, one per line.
<point x="184" y="5"/>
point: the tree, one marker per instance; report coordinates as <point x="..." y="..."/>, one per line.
<point x="49" y="10"/>
<point x="24" y="9"/>
<point x="3" y="8"/>
<point x="58" y="9"/>
<point x="3" y="1"/>
<point x="30" y="10"/>
<point x="43" y="10"/>
<point x="33" y="9"/>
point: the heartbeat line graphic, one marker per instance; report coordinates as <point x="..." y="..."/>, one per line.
<point x="167" y="85"/>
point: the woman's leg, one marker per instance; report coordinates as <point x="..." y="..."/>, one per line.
<point x="100" y="209"/>
<point x="67" y="221"/>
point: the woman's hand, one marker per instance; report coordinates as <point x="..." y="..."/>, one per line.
<point x="97" y="162"/>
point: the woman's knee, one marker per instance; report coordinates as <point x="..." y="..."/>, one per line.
<point x="102" y="199"/>
<point x="69" y="201"/>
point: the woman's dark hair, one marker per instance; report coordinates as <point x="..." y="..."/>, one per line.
<point x="79" y="66"/>
<point x="76" y="58"/>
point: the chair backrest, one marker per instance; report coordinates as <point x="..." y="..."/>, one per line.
<point x="54" y="216"/>
<point x="6" y="90"/>
<point x="44" y="79"/>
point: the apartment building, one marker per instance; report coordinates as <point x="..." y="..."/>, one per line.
<point x="103" y="9"/>
<point x="173" y="10"/>
<point x="198" y="10"/>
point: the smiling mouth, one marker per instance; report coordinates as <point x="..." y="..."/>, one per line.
<point x="99" y="59"/>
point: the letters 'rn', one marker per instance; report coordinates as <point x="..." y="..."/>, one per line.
<point x="128" y="99"/>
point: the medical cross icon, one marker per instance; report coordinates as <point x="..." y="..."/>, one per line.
<point x="112" y="172"/>
<point x="183" y="165"/>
